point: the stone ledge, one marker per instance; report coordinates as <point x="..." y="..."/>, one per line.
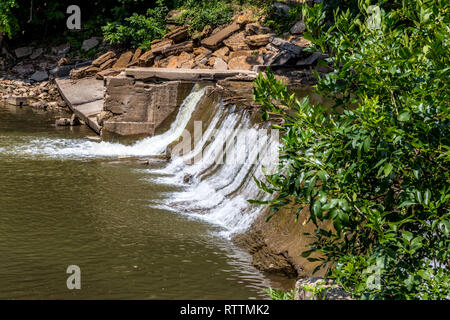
<point x="184" y="74"/>
<point x="129" y="128"/>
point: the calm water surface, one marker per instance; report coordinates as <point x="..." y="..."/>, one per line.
<point x="95" y="213"/>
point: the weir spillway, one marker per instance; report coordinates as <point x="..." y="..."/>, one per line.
<point x="139" y="100"/>
<point x="215" y="165"/>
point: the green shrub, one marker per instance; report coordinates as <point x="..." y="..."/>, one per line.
<point x="276" y="294"/>
<point x="138" y="30"/>
<point x="9" y="24"/>
<point x="376" y="165"/>
<point x="200" y="14"/>
<point x="280" y="23"/>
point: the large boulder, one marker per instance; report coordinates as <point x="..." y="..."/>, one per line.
<point x="236" y="42"/>
<point x="135" y="59"/>
<point x="108" y="73"/>
<point x="219" y="64"/>
<point x="39" y="76"/>
<point x="284" y="45"/>
<point x="298" y="28"/>
<point x="146" y="59"/>
<point x="89" y="44"/>
<point x="103" y="58"/>
<point x="37" y="53"/>
<point x="123" y="61"/>
<point x="23" y="69"/>
<point x="61" y="49"/>
<point x="244" y="62"/>
<point x="258" y="40"/>
<point x="216" y="39"/>
<point x="108" y="64"/>
<point x="159" y="46"/>
<point x="178" y="35"/>
<point x="256" y="28"/>
<point x="184" y="60"/>
<point x="84" y="72"/>
<point x="281" y="8"/>
<point x="23" y="52"/>
<point x="222" y="53"/>
<point x="175" y="49"/>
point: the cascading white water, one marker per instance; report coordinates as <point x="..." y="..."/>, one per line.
<point x="82" y="148"/>
<point x="218" y="192"/>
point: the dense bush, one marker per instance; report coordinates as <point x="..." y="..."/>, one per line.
<point x="376" y="165"/>
<point x="138" y="30"/>
<point x="200" y="14"/>
<point x="8" y="22"/>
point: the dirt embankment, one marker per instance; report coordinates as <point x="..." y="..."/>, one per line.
<point x="276" y="245"/>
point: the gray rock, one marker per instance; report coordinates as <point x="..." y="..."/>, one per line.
<point x="256" y="28"/>
<point x="281" y="8"/>
<point x="298" y="28"/>
<point x="37" y="53"/>
<point x="62" y="122"/>
<point x="23" y="52"/>
<point x="61" y="71"/>
<point x="46" y="65"/>
<point x="286" y="46"/>
<point x="39" y="76"/>
<point x="282" y="58"/>
<point x="310" y="60"/>
<point x="83" y="64"/>
<point x="64" y="71"/>
<point x="39" y="105"/>
<point x="89" y="44"/>
<point x="6" y="53"/>
<point x="62" y="49"/>
<point x="23" y="70"/>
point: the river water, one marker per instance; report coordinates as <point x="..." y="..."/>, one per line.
<point x="66" y="200"/>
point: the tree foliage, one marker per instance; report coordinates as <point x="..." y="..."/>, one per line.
<point x="375" y="165"/>
<point x="8" y="22"/>
<point x="138" y="30"/>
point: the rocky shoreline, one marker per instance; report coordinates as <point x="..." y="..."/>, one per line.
<point x="244" y="44"/>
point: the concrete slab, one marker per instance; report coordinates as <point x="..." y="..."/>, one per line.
<point x="84" y="97"/>
<point x="185" y="74"/>
<point x="88" y="113"/>
<point x="91" y="108"/>
<point x="80" y="91"/>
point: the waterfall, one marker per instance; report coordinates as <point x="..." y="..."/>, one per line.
<point x="77" y="148"/>
<point x="218" y="192"/>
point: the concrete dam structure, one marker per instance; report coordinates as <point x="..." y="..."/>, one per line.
<point x="215" y="168"/>
<point x="139" y="100"/>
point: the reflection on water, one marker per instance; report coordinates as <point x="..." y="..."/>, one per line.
<point x="95" y="213"/>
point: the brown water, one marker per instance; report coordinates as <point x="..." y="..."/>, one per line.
<point x="95" y="213"/>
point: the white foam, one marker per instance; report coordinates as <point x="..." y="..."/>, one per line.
<point x="79" y="148"/>
<point x="218" y="192"/>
